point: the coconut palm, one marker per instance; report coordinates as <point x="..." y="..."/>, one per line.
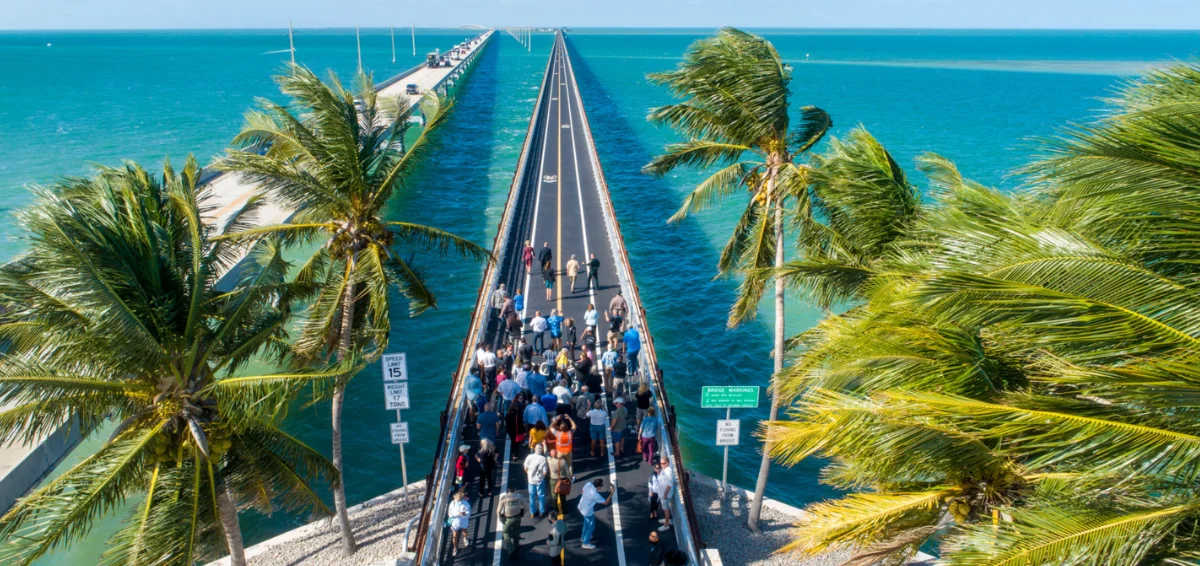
<point x="335" y="157"/>
<point x="735" y="114"/>
<point x="1017" y="372"/>
<point x="112" y="313"/>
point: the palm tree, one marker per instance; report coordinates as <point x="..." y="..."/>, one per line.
<point x="735" y="113"/>
<point x="335" y="157"/>
<point x="112" y="313"/>
<point x="1017" y="371"/>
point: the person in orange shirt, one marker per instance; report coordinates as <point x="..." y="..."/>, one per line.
<point x="564" y="431"/>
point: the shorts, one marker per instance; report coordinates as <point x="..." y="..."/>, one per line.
<point x="597" y="432"/>
<point x="556" y="335"/>
<point x="549" y="284"/>
<point x="618" y="435"/>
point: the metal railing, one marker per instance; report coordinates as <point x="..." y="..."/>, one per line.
<point x="437" y="491"/>
<point x="688" y="536"/>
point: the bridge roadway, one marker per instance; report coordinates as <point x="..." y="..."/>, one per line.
<point x="566" y="205"/>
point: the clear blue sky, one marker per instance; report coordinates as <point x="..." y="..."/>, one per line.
<point x="1056" y="14"/>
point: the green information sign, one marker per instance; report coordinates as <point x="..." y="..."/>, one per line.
<point x="729" y="397"/>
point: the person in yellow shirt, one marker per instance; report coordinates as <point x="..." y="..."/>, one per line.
<point x="537" y="435"/>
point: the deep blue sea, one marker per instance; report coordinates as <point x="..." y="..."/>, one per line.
<point x="70" y="99"/>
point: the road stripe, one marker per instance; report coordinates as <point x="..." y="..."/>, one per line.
<point x="612" y="461"/>
<point x="537" y="203"/>
<point x="496" y="500"/>
<point x="558" y="184"/>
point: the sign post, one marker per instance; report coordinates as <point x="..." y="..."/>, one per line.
<point x="395" y="395"/>
<point x="728" y="430"/>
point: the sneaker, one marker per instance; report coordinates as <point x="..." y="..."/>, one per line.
<point x="664" y="528"/>
<point x="662" y="521"/>
<point x="588" y="546"/>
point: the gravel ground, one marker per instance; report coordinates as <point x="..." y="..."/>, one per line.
<point x="723" y="527"/>
<point x="378" y="528"/>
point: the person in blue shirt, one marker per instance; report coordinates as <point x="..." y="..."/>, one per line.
<point x="536" y="382"/>
<point x="488" y="423"/>
<point x="474" y="390"/>
<point x="549" y="402"/>
<point x="519" y="302"/>
<point x="554" y="322"/>
<point x="633" y="344"/>
<point x="535" y="412"/>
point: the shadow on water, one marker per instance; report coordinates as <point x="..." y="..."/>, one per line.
<point x="449" y="191"/>
<point x="685" y="306"/>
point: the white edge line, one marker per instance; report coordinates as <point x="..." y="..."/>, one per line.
<point x="503" y="491"/>
<point x="618" y="532"/>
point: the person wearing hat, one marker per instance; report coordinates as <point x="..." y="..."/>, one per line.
<point x="461" y="465"/>
<point x="620" y="421"/>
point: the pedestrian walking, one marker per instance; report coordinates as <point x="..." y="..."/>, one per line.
<point x="564" y="433"/>
<point x="537" y="434"/>
<point x="519" y="302"/>
<point x="525" y="351"/>
<point x="458" y="515"/>
<point x="582" y="402"/>
<point x="597" y="418"/>
<point x="589" y="342"/>
<point x="508" y="393"/>
<point x="619" y="373"/>
<point x="535" y="413"/>
<point x="555" y="323"/>
<point x="617" y="306"/>
<point x="655" y="502"/>
<point x="618" y="424"/>
<point x="474" y="391"/>
<point x="488" y="362"/>
<point x="548" y="277"/>
<point x="587" y="506"/>
<point x="537" y="326"/>
<point x="573" y="266"/>
<point x="514" y="423"/>
<point x="498" y="298"/>
<point x="560" y="480"/>
<point x="556" y="542"/>
<point x="643" y="400"/>
<point x="666" y="483"/>
<point x="511" y="511"/>
<point x="462" y="465"/>
<point x="633" y="345"/>
<point x="571" y="334"/>
<point x="488" y="423"/>
<point x="546" y="256"/>
<point x="536" y="470"/>
<point x="593" y="273"/>
<point x="657" y="551"/>
<point x="591" y="318"/>
<point x="527" y="256"/>
<point x="648" y="435"/>
<point x="487" y="467"/>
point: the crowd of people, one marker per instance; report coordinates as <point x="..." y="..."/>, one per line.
<point x="532" y="386"/>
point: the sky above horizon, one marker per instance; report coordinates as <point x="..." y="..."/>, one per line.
<point x="192" y="14"/>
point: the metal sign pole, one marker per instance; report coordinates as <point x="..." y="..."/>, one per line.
<point x="724" y="467"/>
<point x="404" y="465"/>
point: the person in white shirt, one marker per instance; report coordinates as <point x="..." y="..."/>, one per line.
<point x="587" y="506"/>
<point x="536" y="468"/>
<point x="666" y="483"/>
<point x="537" y="325"/>
<point x="459" y="514"/>
<point x="487" y="362"/>
<point x="591" y="317"/>
<point x="597" y="418"/>
<point x="563" y="394"/>
<point x="573" y="266"/>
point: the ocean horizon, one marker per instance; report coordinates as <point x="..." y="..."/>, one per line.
<point x="979" y="97"/>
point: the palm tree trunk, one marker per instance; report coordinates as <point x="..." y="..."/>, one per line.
<point x="349" y="547"/>
<point x="233" y="530"/>
<point x="764" y="469"/>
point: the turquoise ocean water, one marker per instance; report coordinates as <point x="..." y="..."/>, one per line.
<point x="976" y="97"/>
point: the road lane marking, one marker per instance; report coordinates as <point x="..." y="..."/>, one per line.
<point x="618" y="531"/>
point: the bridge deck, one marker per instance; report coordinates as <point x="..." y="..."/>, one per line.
<point x="566" y="211"/>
